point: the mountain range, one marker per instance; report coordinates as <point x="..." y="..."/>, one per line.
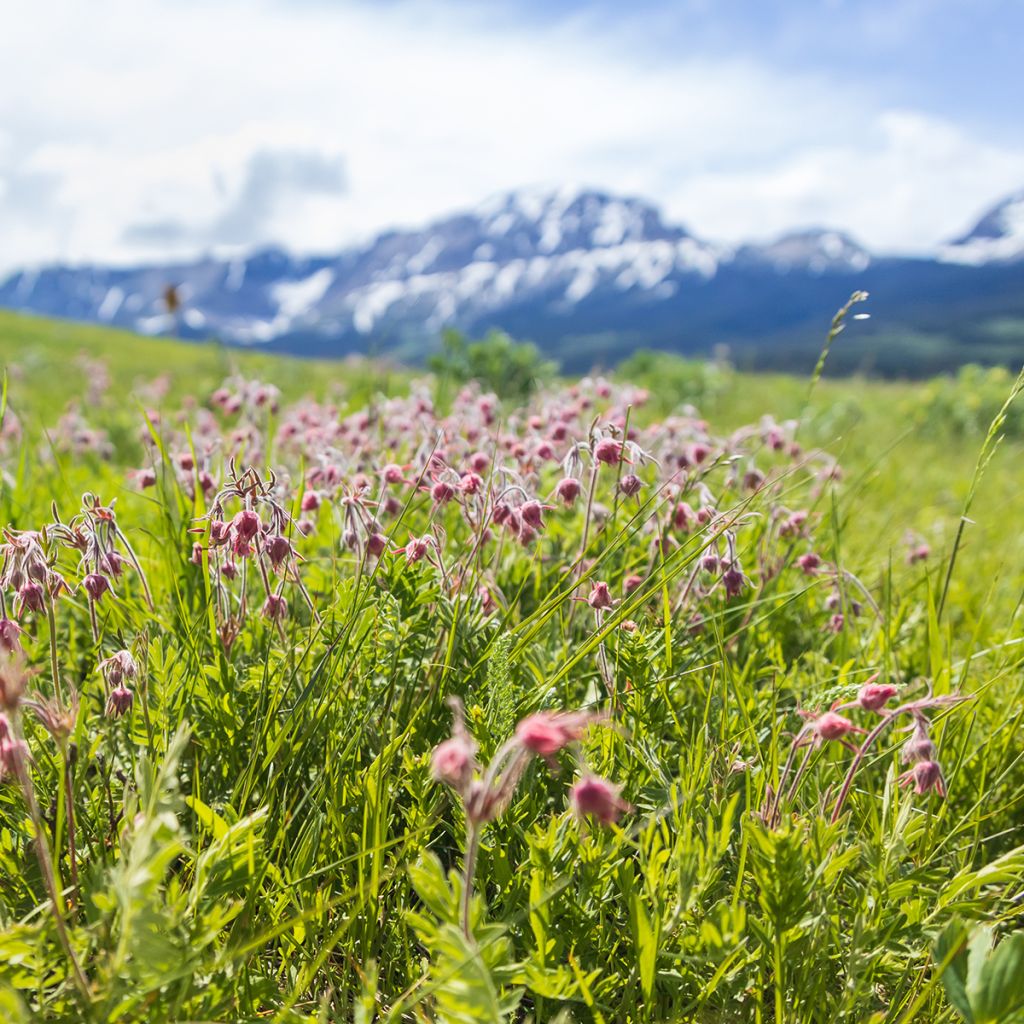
<point x="590" y="277"/>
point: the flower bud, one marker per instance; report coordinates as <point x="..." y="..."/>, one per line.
<point x="598" y="798"/>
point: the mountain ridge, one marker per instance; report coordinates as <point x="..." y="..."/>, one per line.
<point x="560" y="267"/>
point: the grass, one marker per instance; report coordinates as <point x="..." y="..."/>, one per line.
<point x="260" y="836"/>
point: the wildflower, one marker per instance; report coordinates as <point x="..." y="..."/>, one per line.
<point x="95" y="585"/>
<point x="926" y="777"/>
<point x="698" y="453"/>
<point x="278" y="550"/>
<point x="734" y="581"/>
<point x="568" y="490"/>
<point x="547" y="732"/>
<point x="119" y="666"/>
<point x="275" y="607"/>
<point x="874" y="696"/>
<point x="532" y="513"/>
<point x="608" y="451"/>
<point x="220" y="532"/>
<point x="30" y="596"/>
<point x="246" y="525"/>
<point x="13" y="751"/>
<point x="600" y="597"/>
<point x="376" y="544"/>
<point x="630" y="583"/>
<point x="393" y="474"/>
<point x="595" y="797"/>
<point x="10" y="636"/>
<point x="145" y="477"/>
<point x="918" y="553"/>
<point x="809" y="563"/>
<point x="479" y="462"/>
<point x="442" y="492"/>
<point x="452" y="761"/>
<point x="919" y="747"/>
<point x="119" y="701"/>
<point x="836" y="623"/>
<point x="833" y="726"/>
<point x="471" y="483"/>
<point x="630" y="484"/>
<point x="310" y="501"/>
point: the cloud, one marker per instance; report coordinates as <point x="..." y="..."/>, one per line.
<point x="165" y="130"/>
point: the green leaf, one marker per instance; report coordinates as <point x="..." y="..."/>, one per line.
<point x="951" y="951"/>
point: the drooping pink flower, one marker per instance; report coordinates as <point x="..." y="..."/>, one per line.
<point x="630" y="484"/>
<point x="10" y="636"/>
<point x="95" y="585"/>
<point x="278" y="550"/>
<point x="31" y="596"/>
<point x="600" y="597"/>
<point x="926" y="777"/>
<point x="452" y="761"/>
<point x="833" y="726"/>
<point x="598" y="798"/>
<point x="547" y="732"/>
<point x="442" y="492"/>
<point x="608" y="451"/>
<point x="275" y="607"/>
<point x="874" y="696"/>
<point x="119" y="701"/>
<point x="568" y="490"/>
<point x="533" y="514"/>
<point x="376" y="544"/>
<point x="809" y="563"/>
<point x="310" y="501"/>
<point x="246" y="525"/>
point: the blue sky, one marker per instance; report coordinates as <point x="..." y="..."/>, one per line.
<point x="165" y="129"/>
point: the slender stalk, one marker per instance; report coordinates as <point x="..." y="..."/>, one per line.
<point x="70" y="756"/>
<point x="46" y="864"/>
<point x="468" y="871"/>
<point x="51" y="620"/>
<point x="858" y="758"/>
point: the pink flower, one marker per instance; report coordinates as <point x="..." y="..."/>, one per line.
<point x="832" y="726"/>
<point x="608" y="451"/>
<point x="630" y="583"/>
<point x="734" y="581"/>
<point x="442" y="492"/>
<point x="376" y="544"/>
<point x="119" y="701"/>
<point x="30" y="596"/>
<point x="310" y="501"/>
<point x="809" y="563"/>
<point x="874" y="696"/>
<point x="926" y="777"/>
<point x="630" y="484"/>
<point x="598" y="798"/>
<point x="568" y="490"/>
<point x="547" y="732"/>
<point x="95" y="585"/>
<point x="278" y="550"/>
<point x="599" y="597"/>
<point x="119" y="666"/>
<point x="10" y="636"/>
<point x="532" y="513"/>
<point x="275" y="607"/>
<point x="246" y="525"/>
<point x="452" y="761"/>
<point x="220" y="533"/>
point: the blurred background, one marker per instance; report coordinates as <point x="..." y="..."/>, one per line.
<point x="324" y="178"/>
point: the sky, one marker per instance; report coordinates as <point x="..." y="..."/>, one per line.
<point x="143" y="130"/>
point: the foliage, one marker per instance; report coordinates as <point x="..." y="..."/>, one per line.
<point x="258" y="835"/>
<point x="510" y="369"/>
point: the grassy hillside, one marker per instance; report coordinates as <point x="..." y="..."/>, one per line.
<point x="235" y="779"/>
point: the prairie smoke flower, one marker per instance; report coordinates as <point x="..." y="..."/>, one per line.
<point x="608" y="451"/>
<point x="145" y="477"/>
<point x="926" y="777"/>
<point x="600" y="597"/>
<point x="442" y="492"/>
<point x="310" y="501"/>
<point x="547" y="732"/>
<point x="874" y="696"/>
<point x="698" y="453"/>
<point x="95" y="585"/>
<point x="532" y="513"/>
<point x="711" y="562"/>
<point x="112" y="564"/>
<point x="220" y="532"/>
<point x="836" y="623"/>
<point x="119" y="701"/>
<point x="453" y="761"/>
<point x="630" y="583"/>
<point x="918" y="553"/>
<point x="919" y="747"/>
<point x="734" y="581"/>
<point x="278" y="550"/>
<point x="568" y="490"/>
<point x="479" y="462"/>
<point x="275" y="607"/>
<point x="119" y="666"/>
<point x="598" y="798"/>
<point x="809" y="563"/>
<point x="246" y="525"/>
<point x="630" y="484"/>
<point x="13" y="751"/>
<point x="393" y="474"/>
<point x="31" y="596"/>
<point x="832" y="726"/>
<point x="376" y="544"/>
<point x="197" y="554"/>
<point x="471" y="483"/>
<point x="10" y="636"/>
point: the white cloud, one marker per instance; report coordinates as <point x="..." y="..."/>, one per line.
<point x="134" y="135"/>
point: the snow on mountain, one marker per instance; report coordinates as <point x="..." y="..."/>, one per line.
<point x="550" y="265"/>
<point x="997" y="237"/>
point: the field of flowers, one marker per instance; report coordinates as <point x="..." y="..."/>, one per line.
<point x="332" y="694"/>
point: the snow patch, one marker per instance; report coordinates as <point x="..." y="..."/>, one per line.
<point x="296" y="298"/>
